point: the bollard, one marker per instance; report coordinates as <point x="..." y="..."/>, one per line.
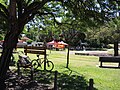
<point x="55" y="81"/>
<point x="90" y="84"/>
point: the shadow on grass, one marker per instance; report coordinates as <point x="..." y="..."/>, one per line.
<point x="44" y="80"/>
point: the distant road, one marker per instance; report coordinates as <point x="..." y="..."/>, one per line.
<point x="91" y="53"/>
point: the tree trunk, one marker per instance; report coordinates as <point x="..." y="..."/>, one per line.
<point x="4" y="65"/>
<point x="9" y="44"/>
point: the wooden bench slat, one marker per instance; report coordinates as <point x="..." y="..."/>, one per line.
<point x="109" y="59"/>
<point x="33" y="47"/>
<point x="35" y="52"/>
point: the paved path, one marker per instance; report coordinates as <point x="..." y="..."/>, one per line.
<point x="94" y="53"/>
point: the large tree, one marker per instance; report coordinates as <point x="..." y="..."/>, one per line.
<point x="19" y="12"/>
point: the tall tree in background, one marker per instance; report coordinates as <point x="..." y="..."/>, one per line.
<point x="19" y="12"/>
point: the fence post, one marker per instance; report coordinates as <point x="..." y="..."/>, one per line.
<point x="90" y="84"/>
<point x="68" y="57"/>
<point x="55" y="81"/>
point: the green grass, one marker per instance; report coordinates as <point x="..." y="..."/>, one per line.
<point x="88" y="66"/>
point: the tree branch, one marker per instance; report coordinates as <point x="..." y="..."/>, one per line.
<point x="32" y="10"/>
<point x="20" y="6"/>
<point x="50" y="13"/>
<point x="34" y="7"/>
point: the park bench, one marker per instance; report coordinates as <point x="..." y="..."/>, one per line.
<point x="34" y="50"/>
<point x="39" y="50"/>
<point x="111" y="59"/>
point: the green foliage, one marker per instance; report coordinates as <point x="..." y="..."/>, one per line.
<point x="29" y="41"/>
<point x="57" y="18"/>
<point x="1" y="37"/>
<point x="3" y="27"/>
<point x="105" y="34"/>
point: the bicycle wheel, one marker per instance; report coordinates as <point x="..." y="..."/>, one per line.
<point x="35" y="64"/>
<point x="49" y="65"/>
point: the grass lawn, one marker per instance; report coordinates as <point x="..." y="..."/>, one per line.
<point x="87" y="66"/>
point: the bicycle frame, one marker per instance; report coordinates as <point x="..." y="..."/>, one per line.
<point x="38" y="62"/>
<point x="41" y="61"/>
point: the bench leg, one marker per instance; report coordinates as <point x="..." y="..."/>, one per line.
<point x="100" y="64"/>
<point x="119" y="64"/>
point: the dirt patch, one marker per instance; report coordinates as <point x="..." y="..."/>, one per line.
<point x="23" y="82"/>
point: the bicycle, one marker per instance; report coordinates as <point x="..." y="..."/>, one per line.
<point x="38" y="63"/>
